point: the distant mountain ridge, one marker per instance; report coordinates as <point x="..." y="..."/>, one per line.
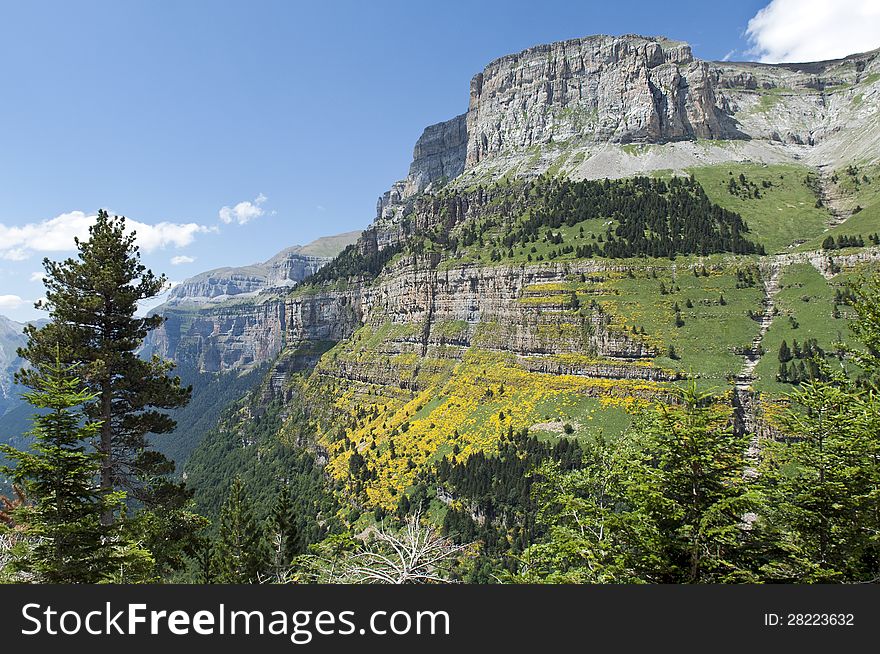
<point x="11" y="338"/>
<point x="291" y="265"/>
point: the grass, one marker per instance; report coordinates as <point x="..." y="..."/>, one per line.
<point x="856" y="193"/>
<point x="783" y="217"/>
<point x="585" y="414"/>
<point x="805" y="304"/>
<point x="712" y="332"/>
<point x="592" y="230"/>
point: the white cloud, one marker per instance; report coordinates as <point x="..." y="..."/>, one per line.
<point x="36" y="277"/>
<point x="14" y="254"/>
<point x="57" y="234"/>
<point x="243" y="212"/>
<point x="814" y="30"/>
<point x="176" y="261"/>
<point x="10" y="302"/>
<point x="728" y="55"/>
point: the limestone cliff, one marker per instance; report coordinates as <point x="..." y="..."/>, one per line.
<point x="620" y="105"/>
<point x="438" y="156"/>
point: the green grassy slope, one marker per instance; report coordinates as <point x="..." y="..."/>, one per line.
<point x="806" y="310"/>
<point x="859" y="187"/>
<point x="784" y="215"/>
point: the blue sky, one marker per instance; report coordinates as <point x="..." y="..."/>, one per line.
<point x="293" y="116"/>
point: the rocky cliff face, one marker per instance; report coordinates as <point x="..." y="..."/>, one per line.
<point x="416" y="295"/>
<point x="11" y="338"/>
<point x="578" y="105"/>
<point x="439" y="156"/>
<point x="599" y="88"/>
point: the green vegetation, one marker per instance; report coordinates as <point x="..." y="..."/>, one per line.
<point x="649" y="301"/>
<point x="252" y="451"/>
<point x="61" y="515"/>
<point x="498" y="488"/>
<point x="616" y="219"/>
<point x="211" y="393"/>
<point x="353" y="262"/>
<point x="820" y="488"/>
<point x="859" y="188"/>
<point x="809" y="307"/>
<point x="662" y="505"/>
<point x="239" y="558"/>
<point x="784" y="215"/>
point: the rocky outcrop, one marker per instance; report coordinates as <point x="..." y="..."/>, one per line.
<point x="600" y="88"/>
<point x="438" y="157"/>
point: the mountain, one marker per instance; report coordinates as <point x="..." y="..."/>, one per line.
<point x="289" y="266"/>
<point x="501" y="289"/>
<point x="11" y="338"/>
<point x="589" y="108"/>
<point x="617" y="106"/>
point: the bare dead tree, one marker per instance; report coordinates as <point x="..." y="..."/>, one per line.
<point x="417" y="554"/>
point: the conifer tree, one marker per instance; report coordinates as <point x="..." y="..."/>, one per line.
<point x="784" y="353"/>
<point x="59" y="473"/>
<point x="820" y="486"/>
<point x="281" y="534"/>
<point x="239" y="545"/>
<point x="866" y="328"/>
<point x="688" y="479"/>
<point x="92" y="302"/>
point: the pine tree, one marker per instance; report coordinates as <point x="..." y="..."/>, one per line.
<point x="281" y="534"/>
<point x="687" y="478"/>
<point x="59" y="473"/>
<point x="92" y="302"/>
<point x="239" y="546"/>
<point x="784" y="353"/>
<point x="782" y="374"/>
<point x="820" y="486"/>
<point x="866" y="328"/>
